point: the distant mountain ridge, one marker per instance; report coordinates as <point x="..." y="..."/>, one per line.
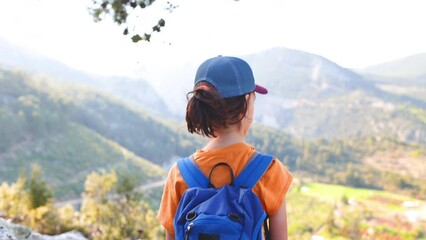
<point x="136" y="91"/>
<point x="411" y="67"/>
<point x="292" y="74"/>
<point x="309" y="95"/>
<point x="312" y="97"/>
<point x="71" y="130"/>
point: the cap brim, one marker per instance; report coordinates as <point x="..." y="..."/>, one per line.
<point x="260" y="89"/>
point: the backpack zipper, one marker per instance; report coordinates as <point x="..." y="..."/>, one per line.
<point x="193" y="225"/>
<point x="187" y="230"/>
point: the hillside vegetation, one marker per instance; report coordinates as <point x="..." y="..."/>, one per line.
<point x="71" y="131"/>
<point x="350" y="162"/>
<point x="314" y="211"/>
<point x="330" y="126"/>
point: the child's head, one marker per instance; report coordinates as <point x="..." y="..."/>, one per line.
<point x="222" y="88"/>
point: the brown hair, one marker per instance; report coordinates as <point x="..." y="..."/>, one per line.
<point x="207" y="110"/>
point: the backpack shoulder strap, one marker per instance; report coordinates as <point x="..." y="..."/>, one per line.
<point x="191" y="173"/>
<point x="254" y="170"/>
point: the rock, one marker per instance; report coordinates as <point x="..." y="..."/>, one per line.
<point x="72" y="235"/>
<point x="10" y="231"/>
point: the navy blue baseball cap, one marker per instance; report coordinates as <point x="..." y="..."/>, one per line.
<point x="231" y="76"/>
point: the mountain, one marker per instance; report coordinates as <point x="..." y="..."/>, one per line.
<point x="137" y="91"/>
<point x="410" y="70"/>
<point x="71" y="130"/>
<point x="312" y="97"/>
<point x="295" y="74"/>
<point x="403" y="77"/>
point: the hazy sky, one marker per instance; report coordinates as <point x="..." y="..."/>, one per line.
<point x="352" y="33"/>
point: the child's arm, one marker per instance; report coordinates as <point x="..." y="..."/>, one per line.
<point x="278" y="223"/>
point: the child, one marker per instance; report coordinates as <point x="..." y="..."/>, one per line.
<point x="221" y="107"/>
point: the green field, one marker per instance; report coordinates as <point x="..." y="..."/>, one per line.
<point x="338" y="212"/>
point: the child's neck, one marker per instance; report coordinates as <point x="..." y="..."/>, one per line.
<point x="225" y="138"/>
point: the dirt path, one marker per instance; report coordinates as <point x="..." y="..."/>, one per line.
<point x="141" y="188"/>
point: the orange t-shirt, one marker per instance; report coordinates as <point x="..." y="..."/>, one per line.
<point x="271" y="189"/>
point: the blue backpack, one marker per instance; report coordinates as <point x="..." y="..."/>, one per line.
<point x="229" y="212"/>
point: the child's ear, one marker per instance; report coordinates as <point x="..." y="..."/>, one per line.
<point x="247" y="96"/>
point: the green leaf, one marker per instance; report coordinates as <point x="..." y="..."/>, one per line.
<point x="136" y="38"/>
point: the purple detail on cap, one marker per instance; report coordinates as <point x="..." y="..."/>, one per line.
<point x="260" y="89"/>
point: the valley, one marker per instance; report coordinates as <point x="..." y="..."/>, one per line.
<point x="355" y="142"/>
